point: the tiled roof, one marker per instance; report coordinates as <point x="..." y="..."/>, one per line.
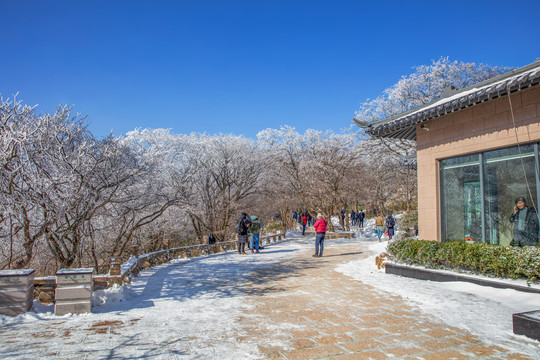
<point x="403" y="126"/>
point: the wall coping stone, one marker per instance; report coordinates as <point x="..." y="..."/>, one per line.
<point x="444" y="276"/>
<point x="21" y="272"/>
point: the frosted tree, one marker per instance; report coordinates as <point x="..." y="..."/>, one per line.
<point x="227" y="174"/>
<point x="425" y="84"/>
<point x="287" y="181"/>
<point x="67" y="199"/>
<point x="48" y="184"/>
<point x="313" y="168"/>
<point x="211" y="178"/>
<point x="330" y="170"/>
<point x="381" y="182"/>
<point x="163" y="187"/>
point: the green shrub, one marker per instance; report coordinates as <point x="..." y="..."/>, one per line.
<point x="491" y="260"/>
<point x="271" y="227"/>
<point x="409" y="220"/>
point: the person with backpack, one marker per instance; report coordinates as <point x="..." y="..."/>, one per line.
<point x="303" y="222"/>
<point x="254" y="230"/>
<point x="390" y="223"/>
<point x="242" y="228"/>
<point x="320" y="229"/>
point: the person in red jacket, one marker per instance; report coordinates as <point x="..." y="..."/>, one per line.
<point x="320" y="229"/>
<point x="303" y="222"/>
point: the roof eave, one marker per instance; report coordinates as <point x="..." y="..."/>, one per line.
<point x="403" y="126"/>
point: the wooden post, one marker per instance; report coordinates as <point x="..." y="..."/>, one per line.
<point x="134" y="251"/>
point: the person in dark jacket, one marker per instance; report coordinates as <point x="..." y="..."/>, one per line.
<point x="390" y="223"/>
<point x="361" y="216"/>
<point x="525" y="222"/>
<point x="242" y="229"/>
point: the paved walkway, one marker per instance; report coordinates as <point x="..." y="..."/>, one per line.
<point x="305" y="309"/>
<point x="294" y="306"/>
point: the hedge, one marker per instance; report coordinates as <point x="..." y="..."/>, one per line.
<point x="491" y="260"/>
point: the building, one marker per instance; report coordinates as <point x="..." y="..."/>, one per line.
<point x="477" y="150"/>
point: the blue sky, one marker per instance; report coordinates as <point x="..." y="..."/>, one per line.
<point x="242" y="66"/>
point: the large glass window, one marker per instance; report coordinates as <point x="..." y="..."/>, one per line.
<point x="478" y="193"/>
<point x="461" y="198"/>
<point x="507" y="175"/>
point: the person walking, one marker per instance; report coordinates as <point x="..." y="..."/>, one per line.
<point x="379" y="224"/>
<point x="353" y="218"/>
<point x="390" y="222"/>
<point x="525" y="222"/>
<point x="320" y="229"/>
<point x="303" y="222"/>
<point x="242" y="228"/>
<point x="254" y="230"/>
<point x="361" y="216"/>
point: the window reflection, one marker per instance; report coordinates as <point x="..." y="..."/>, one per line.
<point x="506" y="177"/>
<point x="507" y="174"/>
<point x="461" y="199"/>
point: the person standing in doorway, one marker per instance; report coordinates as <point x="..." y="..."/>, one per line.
<point x="525" y="220"/>
<point x="379" y="224"/>
<point x="320" y="229"/>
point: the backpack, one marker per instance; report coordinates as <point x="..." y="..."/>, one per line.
<point x="240" y="226"/>
<point x="390" y="222"/>
<point x="255" y="227"/>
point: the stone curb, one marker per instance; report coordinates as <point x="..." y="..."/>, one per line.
<point x="434" y="275"/>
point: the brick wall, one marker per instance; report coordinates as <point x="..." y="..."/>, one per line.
<point x="482" y="127"/>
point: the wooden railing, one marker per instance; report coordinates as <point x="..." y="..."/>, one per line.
<point x="44" y="287"/>
<point x="131" y="268"/>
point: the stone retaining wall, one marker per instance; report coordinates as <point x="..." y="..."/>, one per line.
<point x="333" y="235"/>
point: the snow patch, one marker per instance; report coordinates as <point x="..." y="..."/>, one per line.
<point x="484" y="311"/>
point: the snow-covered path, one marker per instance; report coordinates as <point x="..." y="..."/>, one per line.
<point x="186" y="309"/>
<point x="281" y="303"/>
